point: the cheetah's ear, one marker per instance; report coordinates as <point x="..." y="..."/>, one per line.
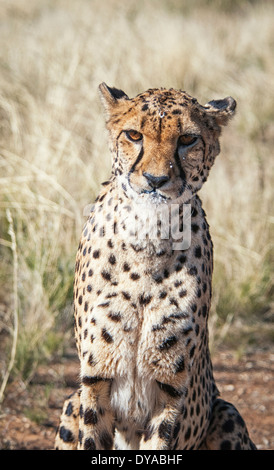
<point x="222" y="110"/>
<point x="111" y="96"/>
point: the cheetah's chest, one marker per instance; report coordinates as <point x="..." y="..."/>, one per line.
<point x="142" y="328"/>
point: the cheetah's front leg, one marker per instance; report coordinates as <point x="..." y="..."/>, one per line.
<point x="159" y="431"/>
<point x="227" y="429"/>
<point x="96" y="422"/>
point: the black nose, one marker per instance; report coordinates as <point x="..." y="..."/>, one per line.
<point x="155" y="181"/>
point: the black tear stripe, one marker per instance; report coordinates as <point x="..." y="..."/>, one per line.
<point x="117" y="143"/>
<point x="177" y="160"/>
<point x="204" y="149"/>
<point x="160" y="126"/>
<point x="179" y="126"/>
<point x="138" y="159"/>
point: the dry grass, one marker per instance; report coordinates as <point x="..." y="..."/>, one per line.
<point x="53" y="55"/>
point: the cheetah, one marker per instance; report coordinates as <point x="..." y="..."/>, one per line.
<point x="141" y="303"/>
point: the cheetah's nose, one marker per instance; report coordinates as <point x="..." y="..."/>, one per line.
<point x="155" y="181"/>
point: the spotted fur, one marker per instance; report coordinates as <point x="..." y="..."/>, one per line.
<point x="141" y="306"/>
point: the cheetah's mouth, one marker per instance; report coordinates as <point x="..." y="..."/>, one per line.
<point x="155" y="195"/>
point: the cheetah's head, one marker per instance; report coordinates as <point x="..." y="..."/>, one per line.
<point x="163" y="141"/>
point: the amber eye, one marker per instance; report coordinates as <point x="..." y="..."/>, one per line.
<point x="135" y="136"/>
<point x="187" y="139"/>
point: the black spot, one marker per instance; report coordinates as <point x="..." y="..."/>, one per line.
<point x="91" y="360"/>
<point x="144" y="300"/>
<point x="165" y="430"/>
<point x="112" y="294"/>
<point x="106" y="440"/>
<point x="86" y="306"/>
<point x="126" y="267"/>
<point x="80" y="300"/>
<point x="228" y="426"/>
<point x="204" y="310"/>
<point x="69" y="409"/>
<point x="104" y="304"/>
<point x="90" y="417"/>
<point x="126" y="295"/>
<point x="96" y="254"/>
<point x="145" y="107"/>
<point x="173" y="301"/>
<point x="66" y="434"/>
<point x="195" y="228"/>
<point x="106" y="275"/>
<point x="115" y="316"/>
<point x="188" y="433"/>
<point x="90" y="273"/>
<point x="136" y="248"/>
<point x="134" y="276"/>
<point x="191" y="354"/>
<point x="89" y="444"/>
<point x="107" y="337"/>
<point x="179" y="315"/>
<point x="182" y="293"/>
<point x="112" y="259"/>
<point x="83" y="276"/>
<point x="162" y="294"/>
<point x="182" y="258"/>
<point x="225" y="445"/>
<point x="101" y="198"/>
<point x="192" y="271"/>
<point x="178" y="268"/>
<point x="89" y="288"/>
<point x="198" y="252"/>
<point x="168" y="343"/>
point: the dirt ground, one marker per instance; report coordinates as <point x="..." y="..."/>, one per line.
<point x="29" y="416"/>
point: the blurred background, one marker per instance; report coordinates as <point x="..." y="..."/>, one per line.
<point x="54" y="153"/>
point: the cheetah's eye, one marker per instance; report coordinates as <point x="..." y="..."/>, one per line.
<point x="187" y="139"/>
<point x="135" y="136"/>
